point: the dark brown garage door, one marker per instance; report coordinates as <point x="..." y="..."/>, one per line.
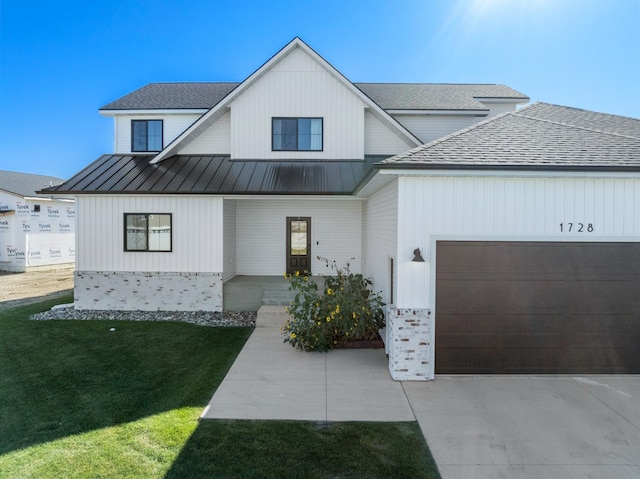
<point x="515" y="307"/>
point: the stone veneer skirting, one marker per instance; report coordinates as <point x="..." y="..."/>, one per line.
<point x="148" y="291"/>
<point x="409" y="344"/>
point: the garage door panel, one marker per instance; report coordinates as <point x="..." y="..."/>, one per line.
<point x="547" y="258"/>
<point x="468" y="363"/>
<point x="569" y="361"/>
<point x="538" y="297"/>
<point x="537" y="307"/>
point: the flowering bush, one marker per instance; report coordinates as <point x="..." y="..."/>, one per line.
<point x="346" y="309"/>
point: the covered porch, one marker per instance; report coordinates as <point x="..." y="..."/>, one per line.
<point x="249" y="293"/>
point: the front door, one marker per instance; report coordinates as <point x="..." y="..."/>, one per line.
<point x="298" y="244"/>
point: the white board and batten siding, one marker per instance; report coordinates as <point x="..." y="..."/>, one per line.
<point x="431" y="127"/>
<point x="379" y="140"/>
<point x="380" y="237"/>
<point x="196" y="234"/>
<point x="229" y="239"/>
<point x="215" y="140"/>
<point x="497" y="107"/>
<point x="297" y="86"/>
<point x="506" y="208"/>
<point x="336" y="233"/>
<point x="172" y="126"/>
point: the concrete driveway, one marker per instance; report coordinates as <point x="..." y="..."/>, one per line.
<point x="534" y="427"/>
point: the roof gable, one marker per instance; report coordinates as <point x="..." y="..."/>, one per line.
<point x="540" y="136"/>
<point x="222" y="106"/>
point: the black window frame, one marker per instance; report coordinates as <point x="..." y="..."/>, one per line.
<point x="133" y="139"/>
<point x="147" y="250"/>
<point x="298" y="118"/>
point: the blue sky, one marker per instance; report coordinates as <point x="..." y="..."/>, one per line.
<point x="62" y="60"/>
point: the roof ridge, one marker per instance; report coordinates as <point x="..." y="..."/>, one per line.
<point x="588" y="111"/>
<point x="584" y="128"/>
<point x="189" y="83"/>
<point x="429" y="83"/>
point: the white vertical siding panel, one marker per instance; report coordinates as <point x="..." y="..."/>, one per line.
<point x="619" y="207"/>
<point x="579" y="201"/>
<point x="197" y="234"/>
<point x="229" y="251"/>
<point x="590" y="201"/>
<point x="609" y="204"/>
<point x="380" y="237"/>
<point x="336" y="233"/>
<point x="539" y="225"/>
<point x="549" y="227"/>
<point x="516" y="208"/>
<point x="431" y="127"/>
<point x="496" y="108"/>
<point x="379" y="140"/>
<point x="636" y="210"/>
<point x="216" y="140"/>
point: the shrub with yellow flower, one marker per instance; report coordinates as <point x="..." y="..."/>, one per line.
<point x="347" y="302"/>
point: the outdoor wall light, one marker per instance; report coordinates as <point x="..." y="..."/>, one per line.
<point x="417" y="257"/>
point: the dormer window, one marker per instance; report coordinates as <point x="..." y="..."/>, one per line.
<point x="296" y="134"/>
<point x="146" y="135"/>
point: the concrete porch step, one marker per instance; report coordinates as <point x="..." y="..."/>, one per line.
<point x="271" y="316"/>
<point x="277" y="297"/>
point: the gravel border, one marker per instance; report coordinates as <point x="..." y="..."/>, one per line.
<point x="202" y="318"/>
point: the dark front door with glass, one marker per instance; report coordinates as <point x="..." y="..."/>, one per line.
<point x="298" y="244"/>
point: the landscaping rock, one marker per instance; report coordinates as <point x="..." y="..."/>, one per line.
<point x="202" y="318"/>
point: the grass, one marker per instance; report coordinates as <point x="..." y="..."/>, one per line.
<point x="80" y="401"/>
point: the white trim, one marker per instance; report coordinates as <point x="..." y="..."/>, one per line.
<point x="484" y="112"/>
<point x="215" y="112"/>
<point x="176" y="111"/>
<point x="517" y="101"/>
<point x="426" y="172"/>
<point x="227" y="197"/>
<point x="49" y="198"/>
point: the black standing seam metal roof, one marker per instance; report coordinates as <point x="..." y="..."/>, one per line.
<point x="134" y="174"/>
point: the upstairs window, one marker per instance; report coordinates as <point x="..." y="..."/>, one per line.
<point x="296" y="134"/>
<point x="146" y="135"/>
<point x="147" y="232"/>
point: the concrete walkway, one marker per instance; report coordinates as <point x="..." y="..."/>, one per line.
<point x="271" y="380"/>
<point x="531" y="427"/>
<point x="476" y="427"/>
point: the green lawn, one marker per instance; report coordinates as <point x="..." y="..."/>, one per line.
<point x="80" y="401"/>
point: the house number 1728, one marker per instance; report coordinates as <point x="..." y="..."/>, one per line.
<point x="576" y="228"/>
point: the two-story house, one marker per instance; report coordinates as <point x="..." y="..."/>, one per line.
<point x="210" y="181"/>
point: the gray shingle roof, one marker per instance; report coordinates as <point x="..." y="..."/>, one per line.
<point x="435" y="96"/>
<point x="26" y="184"/>
<point x="166" y="96"/>
<point x="539" y="136"/>
<point x="389" y="96"/>
<point x="217" y="175"/>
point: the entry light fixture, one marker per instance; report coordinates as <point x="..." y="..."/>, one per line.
<point x="417" y="257"/>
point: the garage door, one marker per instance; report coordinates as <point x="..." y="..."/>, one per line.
<point x="516" y="307"/>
